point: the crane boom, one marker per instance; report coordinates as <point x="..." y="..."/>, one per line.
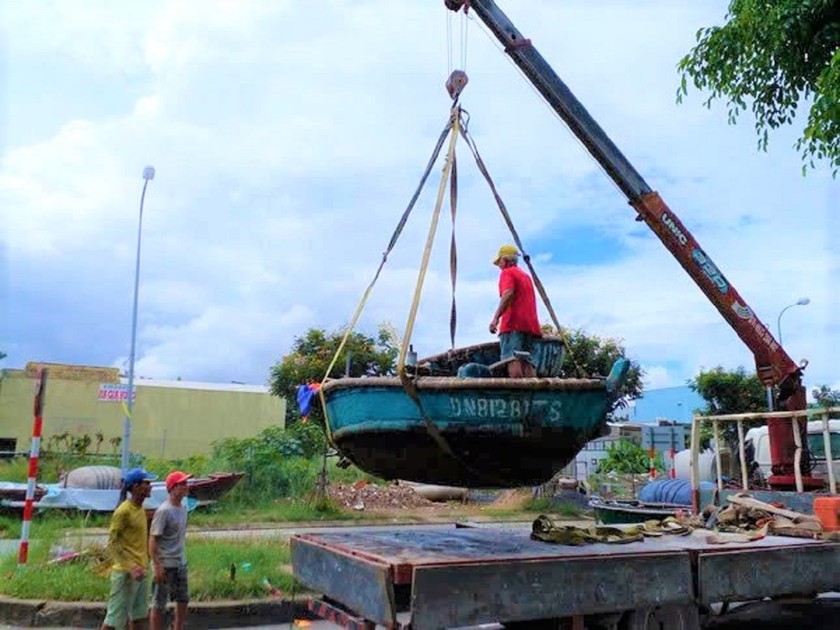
<point x="774" y="366"/>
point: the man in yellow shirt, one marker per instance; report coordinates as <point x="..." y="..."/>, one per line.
<point x="128" y="603"/>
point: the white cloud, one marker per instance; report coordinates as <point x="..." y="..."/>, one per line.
<point x="288" y="140"/>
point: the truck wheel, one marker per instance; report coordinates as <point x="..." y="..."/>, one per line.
<point x="662" y="618"/>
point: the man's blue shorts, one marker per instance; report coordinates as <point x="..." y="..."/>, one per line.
<point x="511" y="342"/>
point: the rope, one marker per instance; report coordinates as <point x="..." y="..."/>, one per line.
<point x="394" y="237"/>
<point x="506" y="216"/>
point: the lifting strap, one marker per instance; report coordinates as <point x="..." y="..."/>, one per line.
<point x="430" y="239"/>
<point x="394" y="238"/>
<point x="453" y="251"/>
<point x="407" y="381"/>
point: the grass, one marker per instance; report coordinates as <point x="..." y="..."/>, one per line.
<point x="52" y="523"/>
<point x="546" y="506"/>
<point x="232" y="513"/>
<point x="210" y="563"/>
<point x="209" y="559"/>
<point x="536" y="506"/>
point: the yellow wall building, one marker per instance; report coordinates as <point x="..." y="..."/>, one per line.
<point x="172" y="419"/>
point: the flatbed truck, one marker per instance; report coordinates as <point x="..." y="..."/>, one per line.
<point x="424" y="578"/>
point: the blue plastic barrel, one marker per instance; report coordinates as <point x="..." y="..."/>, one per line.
<point x="676" y="491"/>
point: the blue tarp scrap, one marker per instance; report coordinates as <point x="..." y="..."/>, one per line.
<point x="305" y="396"/>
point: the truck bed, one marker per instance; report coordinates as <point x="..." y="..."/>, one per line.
<point x="466" y="576"/>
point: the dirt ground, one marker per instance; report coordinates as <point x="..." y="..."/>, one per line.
<point x="398" y="500"/>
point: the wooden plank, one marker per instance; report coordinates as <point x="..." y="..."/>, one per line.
<point x="772" y="509"/>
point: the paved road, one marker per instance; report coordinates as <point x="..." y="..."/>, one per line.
<point x="820" y="615"/>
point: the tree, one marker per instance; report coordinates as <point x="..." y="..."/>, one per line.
<point x="310" y="355"/>
<point x="730" y="391"/>
<point x="826" y="397"/>
<point x="595" y="355"/>
<point x="624" y="457"/>
<point x="772" y="55"/>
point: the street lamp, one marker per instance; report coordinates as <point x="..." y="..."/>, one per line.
<point x="800" y="302"/>
<point x="148" y="175"/>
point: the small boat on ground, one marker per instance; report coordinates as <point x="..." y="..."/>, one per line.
<point x="617" y="512"/>
<point x="479" y="432"/>
<point x="213" y="486"/>
<point x="10" y="491"/>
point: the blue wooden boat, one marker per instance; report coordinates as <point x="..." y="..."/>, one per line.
<point x="475" y="432"/>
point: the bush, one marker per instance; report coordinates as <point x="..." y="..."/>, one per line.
<point x="625" y="457"/>
<point x="277" y="463"/>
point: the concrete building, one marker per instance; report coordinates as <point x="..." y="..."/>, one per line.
<point x="663" y="436"/>
<point x="172" y="419"/>
<point x="660" y="418"/>
<point x="666" y="403"/>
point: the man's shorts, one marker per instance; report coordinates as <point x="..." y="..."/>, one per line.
<point x="511" y="342"/>
<point x="129" y="599"/>
<point x="174" y="587"/>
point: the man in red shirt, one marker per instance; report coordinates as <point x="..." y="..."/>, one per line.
<point x="515" y="318"/>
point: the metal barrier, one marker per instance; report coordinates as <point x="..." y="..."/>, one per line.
<point x="739" y="418"/>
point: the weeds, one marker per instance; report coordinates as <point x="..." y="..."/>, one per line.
<point x="548" y="506"/>
<point x="210" y="561"/>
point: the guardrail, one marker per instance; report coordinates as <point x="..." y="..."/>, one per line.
<point x="739" y="419"/>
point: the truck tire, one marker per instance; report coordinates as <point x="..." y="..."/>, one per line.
<point x="685" y="617"/>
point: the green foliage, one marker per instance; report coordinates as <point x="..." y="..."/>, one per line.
<point x="595" y="356"/>
<point x="727" y="392"/>
<point x="311" y="354"/>
<point x="623" y="456"/>
<point x="771" y="55"/>
<point x="826" y="397"/>
<point x="277" y="462"/>
<point x="209" y="559"/>
<point x="197" y="465"/>
<point x="547" y="505"/>
<point x="232" y="512"/>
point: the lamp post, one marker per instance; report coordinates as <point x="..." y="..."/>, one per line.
<point x="800" y="302"/>
<point x="148" y="175"/>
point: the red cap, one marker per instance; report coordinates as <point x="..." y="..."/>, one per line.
<point x="175" y="478"/>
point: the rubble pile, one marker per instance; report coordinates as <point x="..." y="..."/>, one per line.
<point x="745" y="514"/>
<point x="368" y="496"/>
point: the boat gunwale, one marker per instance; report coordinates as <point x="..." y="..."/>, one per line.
<point x="449" y="383"/>
<point x="480" y="347"/>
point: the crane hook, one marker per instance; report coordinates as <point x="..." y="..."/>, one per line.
<point x="456" y="83"/>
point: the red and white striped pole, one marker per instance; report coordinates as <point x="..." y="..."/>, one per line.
<point x="35" y="450"/>
<point x="672" y="470"/>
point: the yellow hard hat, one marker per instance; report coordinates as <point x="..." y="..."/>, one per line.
<point x="505" y="251"/>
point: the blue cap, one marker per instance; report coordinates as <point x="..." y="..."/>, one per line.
<point x="135" y="476"/>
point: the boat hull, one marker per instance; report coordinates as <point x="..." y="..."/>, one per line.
<point x="480" y="433"/>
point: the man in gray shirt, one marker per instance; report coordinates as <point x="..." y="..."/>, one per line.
<point x="166" y="548"/>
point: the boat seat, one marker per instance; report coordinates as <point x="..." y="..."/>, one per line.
<point x="517" y="356"/>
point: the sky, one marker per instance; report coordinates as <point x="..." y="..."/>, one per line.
<point x="287" y="139"/>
